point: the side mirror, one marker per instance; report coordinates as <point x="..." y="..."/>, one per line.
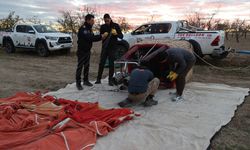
<point x="31" y="31"/>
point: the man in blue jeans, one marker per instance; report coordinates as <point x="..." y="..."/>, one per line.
<point x="142" y="87"/>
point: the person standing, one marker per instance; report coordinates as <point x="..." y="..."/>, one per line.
<point x="109" y="46"/>
<point x="85" y="39"/>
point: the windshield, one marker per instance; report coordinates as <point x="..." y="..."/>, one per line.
<point x="143" y="29"/>
<point x="44" y="29"/>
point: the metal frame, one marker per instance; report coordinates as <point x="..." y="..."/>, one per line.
<point x="125" y="68"/>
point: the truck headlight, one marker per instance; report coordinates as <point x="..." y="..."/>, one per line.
<point x="51" y="38"/>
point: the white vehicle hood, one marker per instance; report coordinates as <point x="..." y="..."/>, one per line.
<point x="56" y="34"/>
<point x="127" y="36"/>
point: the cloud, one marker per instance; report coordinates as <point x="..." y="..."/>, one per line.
<point x="136" y="11"/>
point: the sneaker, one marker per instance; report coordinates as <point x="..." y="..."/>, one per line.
<point x="98" y="82"/>
<point x="125" y="103"/>
<point x="87" y="83"/>
<point x="79" y="86"/>
<point x="177" y="99"/>
<point x="150" y="102"/>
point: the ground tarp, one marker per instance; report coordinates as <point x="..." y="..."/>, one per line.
<point x="187" y="125"/>
<point x="33" y="121"/>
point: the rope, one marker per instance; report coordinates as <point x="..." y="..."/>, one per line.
<point x="213" y="66"/>
<point x="220" y="68"/>
<point x="156" y="42"/>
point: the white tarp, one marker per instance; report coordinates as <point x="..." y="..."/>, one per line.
<point x="186" y="125"/>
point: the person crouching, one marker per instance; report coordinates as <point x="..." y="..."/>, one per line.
<point x="142" y="87"/>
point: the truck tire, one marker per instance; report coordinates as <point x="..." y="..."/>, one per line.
<point x="9" y="46"/>
<point x="42" y="49"/>
<point x="197" y="48"/>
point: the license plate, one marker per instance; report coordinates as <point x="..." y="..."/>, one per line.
<point x="66" y="45"/>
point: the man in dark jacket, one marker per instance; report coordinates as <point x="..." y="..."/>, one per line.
<point x="142" y="87"/>
<point x="85" y="39"/>
<point x="180" y="62"/>
<point x="109" y="46"/>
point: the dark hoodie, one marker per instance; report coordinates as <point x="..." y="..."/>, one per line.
<point x="177" y="58"/>
<point x="86" y="37"/>
<point x="112" y="41"/>
<point x="139" y="79"/>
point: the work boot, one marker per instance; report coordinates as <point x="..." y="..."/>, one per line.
<point x="111" y="83"/>
<point x="79" y="86"/>
<point x="87" y="83"/>
<point x="98" y="81"/>
<point x="150" y="101"/>
<point x="125" y="103"/>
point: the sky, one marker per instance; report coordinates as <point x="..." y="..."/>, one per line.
<point x="135" y="11"/>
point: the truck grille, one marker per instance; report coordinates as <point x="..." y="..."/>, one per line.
<point x="64" y="40"/>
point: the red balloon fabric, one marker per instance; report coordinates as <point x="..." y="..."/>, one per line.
<point x="34" y="121"/>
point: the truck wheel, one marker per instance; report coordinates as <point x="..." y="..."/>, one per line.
<point x="121" y="50"/>
<point x="9" y="47"/>
<point x="42" y="49"/>
<point x="197" y="48"/>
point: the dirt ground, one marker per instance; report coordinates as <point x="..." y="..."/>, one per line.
<point x="26" y="71"/>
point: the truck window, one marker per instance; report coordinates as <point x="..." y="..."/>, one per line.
<point x="154" y="29"/>
<point x="28" y="28"/>
<point x="163" y="28"/>
<point x="44" y="29"/>
<point x="144" y="29"/>
<point x="21" y="28"/>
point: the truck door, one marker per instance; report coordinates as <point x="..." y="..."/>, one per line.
<point x="143" y="32"/>
<point x="29" y="37"/>
<point x="18" y="36"/>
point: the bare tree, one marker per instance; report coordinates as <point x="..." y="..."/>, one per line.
<point x="69" y="22"/>
<point x="153" y="17"/>
<point x="223" y="26"/>
<point x="203" y="20"/>
<point x="245" y="30"/>
<point x="72" y="20"/>
<point x="237" y="26"/>
<point x="122" y="21"/>
<point x="34" y="19"/>
<point x="210" y="21"/>
<point x="195" y="19"/>
<point x="9" y="21"/>
<point x="86" y="9"/>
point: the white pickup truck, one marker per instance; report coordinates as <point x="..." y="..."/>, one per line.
<point x="42" y="38"/>
<point x="204" y="42"/>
